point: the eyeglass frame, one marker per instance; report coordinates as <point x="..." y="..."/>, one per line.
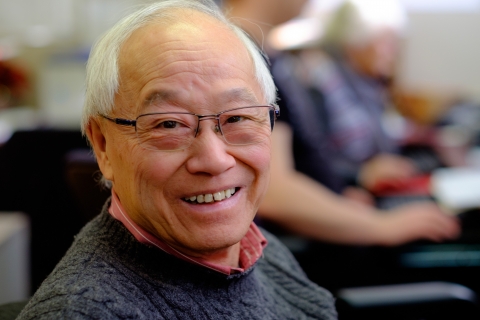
<point x="218" y="128"/>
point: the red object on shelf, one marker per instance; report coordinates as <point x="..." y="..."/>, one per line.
<point x="418" y="185"/>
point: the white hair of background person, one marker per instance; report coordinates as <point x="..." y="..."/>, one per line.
<point x="102" y="77"/>
<point x="357" y="22"/>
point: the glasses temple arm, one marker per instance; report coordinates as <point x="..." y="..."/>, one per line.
<point x="120" y="121"/>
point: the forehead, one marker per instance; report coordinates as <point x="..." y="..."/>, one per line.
<point x="192" y="47"/>
<point x="180" y="27"/>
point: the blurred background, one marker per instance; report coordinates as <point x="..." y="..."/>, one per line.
<point x="44" y="46"/>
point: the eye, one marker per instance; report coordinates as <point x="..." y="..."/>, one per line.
<point x="234" y="119"/>
<point x="170" y="124"/>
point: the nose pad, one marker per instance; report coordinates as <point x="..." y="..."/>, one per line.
<point x="216" y="127"/>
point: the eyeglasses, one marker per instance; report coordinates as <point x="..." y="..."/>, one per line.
<point x="171" y="131"/>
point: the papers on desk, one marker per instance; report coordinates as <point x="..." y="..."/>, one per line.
<point x="412" y="186"/>
<point x="458" y="189"/>
<point x="455" y="189"/>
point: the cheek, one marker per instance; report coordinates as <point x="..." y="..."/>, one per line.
<point x="133" y="166"/>
<point x="157" y="172"/>
<point x="121" y="153"/>
<point x="152" y="176"/>
<point x="258" y="158"/>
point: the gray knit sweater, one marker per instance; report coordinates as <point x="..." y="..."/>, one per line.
<point x="107" y="274"/>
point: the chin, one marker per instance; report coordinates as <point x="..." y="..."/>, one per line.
<point x="220" y="238"/>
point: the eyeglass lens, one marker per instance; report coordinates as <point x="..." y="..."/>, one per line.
<point x="176" y="131"/>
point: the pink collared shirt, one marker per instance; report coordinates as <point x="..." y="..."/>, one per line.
<point x="251" y="245"/>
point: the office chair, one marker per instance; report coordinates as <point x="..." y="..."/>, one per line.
<point x="82" y="176"/>
<point x="10" y="311"/>
<point x="411" y="301"/>
<point x="32" y="181"/>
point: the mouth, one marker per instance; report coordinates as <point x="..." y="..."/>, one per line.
<point x="211" y="197"/>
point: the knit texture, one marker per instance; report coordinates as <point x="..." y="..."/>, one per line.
<point x="107" y="274"/>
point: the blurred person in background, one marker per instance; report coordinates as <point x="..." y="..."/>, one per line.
<point x="351" y="69"/>
<point x="304" y="194"/>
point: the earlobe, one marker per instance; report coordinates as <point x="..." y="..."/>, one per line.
<point x="98" y="140"/>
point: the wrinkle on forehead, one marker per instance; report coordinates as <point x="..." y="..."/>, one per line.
<point x="242" y="96"/>
<point x="159" y="51"/>
<point x="188" y="38"/>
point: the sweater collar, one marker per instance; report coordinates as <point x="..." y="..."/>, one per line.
<point x="251" y="245"/>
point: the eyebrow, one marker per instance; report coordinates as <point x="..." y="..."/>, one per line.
<point x="160" y="96"/>
<point x="239" y="95"/>
<point x="235" y="95"/>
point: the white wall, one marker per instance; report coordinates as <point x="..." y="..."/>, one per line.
<point x="442" y="49"/>
<point x="38" y="23"/>
<point x="442" y="52"/>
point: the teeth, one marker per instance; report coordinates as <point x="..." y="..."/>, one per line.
<point x="219" y="196"/>
<point x="209" y="197"/>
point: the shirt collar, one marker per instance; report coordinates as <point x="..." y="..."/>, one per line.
<point x="251" y="245"/>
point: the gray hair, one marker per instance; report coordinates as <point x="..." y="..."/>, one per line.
<point x="102" y="79"/>
<point x="356" y="22"/>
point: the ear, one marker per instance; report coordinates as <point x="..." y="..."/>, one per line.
<point x="97" y="138"/>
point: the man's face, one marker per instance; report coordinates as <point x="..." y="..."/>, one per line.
<point x="379" y="56"/>
<point x="385" y="51"/>
<point x="195" y="65"/>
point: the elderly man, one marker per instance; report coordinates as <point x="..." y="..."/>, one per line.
<point x="179" y="110"/>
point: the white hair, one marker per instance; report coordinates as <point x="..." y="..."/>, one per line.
<point x="356" y="22"/>
<point x="102" y="78"/>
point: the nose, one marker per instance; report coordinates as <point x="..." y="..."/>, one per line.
<point x="209" y="152"/>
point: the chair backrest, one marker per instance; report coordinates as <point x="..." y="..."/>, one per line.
<point x="10" y="311"/>
<point x="424" y="300"/>
<point x="32" y="181"/>
<point x="14" y="257"/>
<point x="83" y="175"/>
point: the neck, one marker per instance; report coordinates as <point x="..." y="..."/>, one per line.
<point x="227" y="257"/>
